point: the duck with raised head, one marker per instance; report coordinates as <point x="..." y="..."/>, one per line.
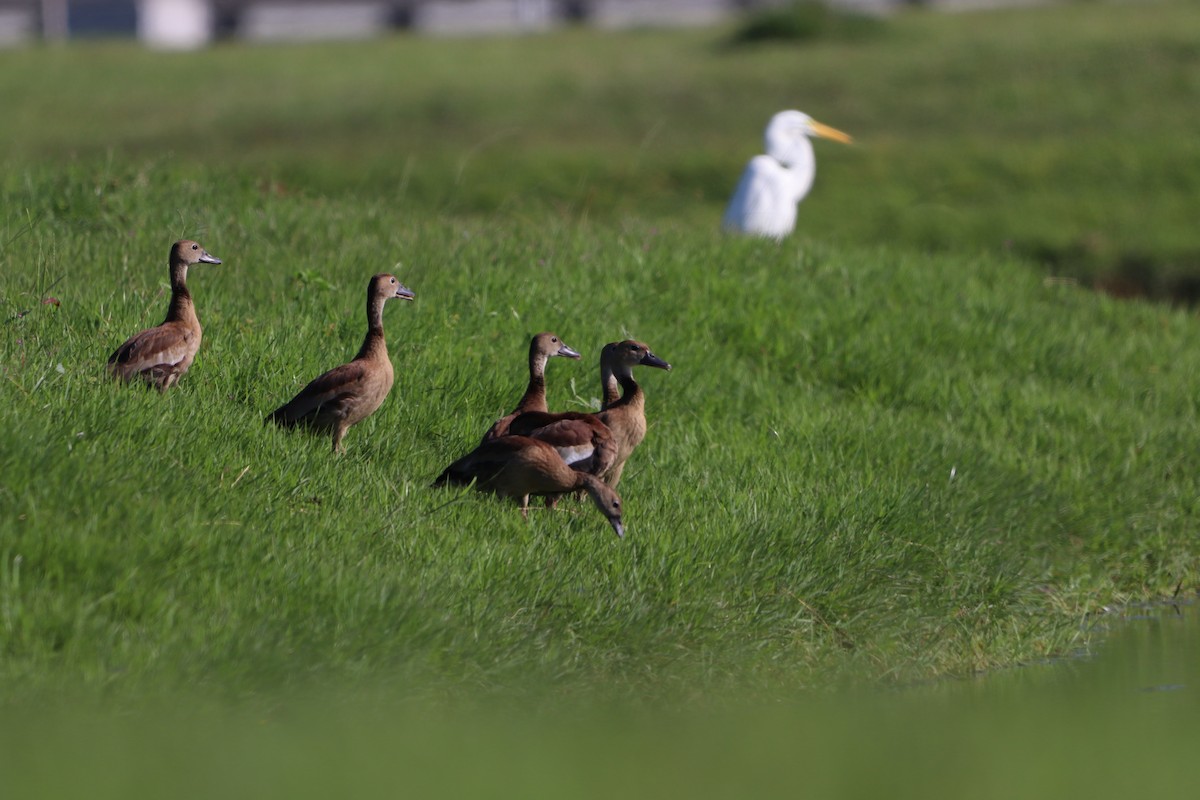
<point x="520" y="466"/>
<point x="626" y="417"/>
<point x="581" y="440"/>
<point x="623" y="417"/>
<point x="609" y="436"/>
<point x="161" y="355"/>
<point x="348" y="394"/>
<point x="542" y="348"/>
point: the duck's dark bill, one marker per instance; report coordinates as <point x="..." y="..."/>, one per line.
<point x="651" y="360"/>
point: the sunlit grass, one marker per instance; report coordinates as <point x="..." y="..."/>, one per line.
<point x="890" y="450"/>
<point x="866" y="462"/>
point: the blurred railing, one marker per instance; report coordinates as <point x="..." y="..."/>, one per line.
<point x="194" y="23"/>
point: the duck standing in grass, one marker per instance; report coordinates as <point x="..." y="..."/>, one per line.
<point x="594" y="447"/>
<point x="518" y="466"/>
<point x="626" y="417"/>
<point x="610" y="436"/>
<point x="581" y="442"/>
<point x="542" y="348"/>
<point x="161" y="355"/>
<point x="352" y="392"/>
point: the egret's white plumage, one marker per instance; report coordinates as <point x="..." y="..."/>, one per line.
<point x="764" y="203"/>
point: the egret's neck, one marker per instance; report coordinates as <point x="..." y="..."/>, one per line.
<point x="800" y="165"/>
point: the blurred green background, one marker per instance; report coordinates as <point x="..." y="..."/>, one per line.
<point x="1062" y="134"/>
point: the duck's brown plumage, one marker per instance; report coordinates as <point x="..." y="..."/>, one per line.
<point x="582" y="440"/>
<point x="616" y="431"/>
<point x="626" y="417"/>
<point x="348" y="394"/>
<point x="161" y="355"/>
<point x="519" y="466"/>
<point x="542" y="347"/>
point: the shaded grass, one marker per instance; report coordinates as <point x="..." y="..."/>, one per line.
<point x="1109" y="727"/>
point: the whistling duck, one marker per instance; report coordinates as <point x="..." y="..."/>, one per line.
<point x="161" y="355"/>
<point x="624" y="419"/>
<point x="582" y="442"/>
<point x="542" y="347"/>
<point x="518" y="466"/>
<point x="348" y="394"/>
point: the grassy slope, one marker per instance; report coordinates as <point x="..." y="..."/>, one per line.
<point x="869" y="460"/>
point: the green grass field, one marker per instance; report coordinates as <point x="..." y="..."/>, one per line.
<point x="896" y="447"/>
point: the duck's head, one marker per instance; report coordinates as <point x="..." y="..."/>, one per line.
<point x="607" y="501"/>
<point x="624" y="356"/>
<point x="188" y="252"/>
<point x="546" y="345"/>
<point x="388" y="287"/>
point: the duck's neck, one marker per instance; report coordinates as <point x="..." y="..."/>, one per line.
<point x="610" y="391"/>
<point x="181" y="308"/>
<point x="374" y="345"/>
<point x="579" y="480"/>
<point x="632" y="397"/>
<point x="588" y="483"/>
<point x="535" y="393"/>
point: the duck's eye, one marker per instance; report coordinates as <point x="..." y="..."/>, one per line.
<point x="195" y="247"/>
<point x="553" y="339"/>
<point x="617" y="504"/>
<point x="393" y="280"/>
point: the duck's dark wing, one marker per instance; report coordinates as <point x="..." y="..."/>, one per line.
<point x="329" y="396"/>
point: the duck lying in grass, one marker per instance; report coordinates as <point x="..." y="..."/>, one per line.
<point x="348" y="394"/>
<point x="161" y="355"/>
<point x="519" y="466"/>
<point x="542" y="348"/>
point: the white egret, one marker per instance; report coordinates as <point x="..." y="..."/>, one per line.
<point x="764" y="203"/>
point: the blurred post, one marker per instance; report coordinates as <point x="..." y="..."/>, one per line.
<point x="55" y="26"/>
<point x="175" y="24"/>
<point x="532" y="14"/>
